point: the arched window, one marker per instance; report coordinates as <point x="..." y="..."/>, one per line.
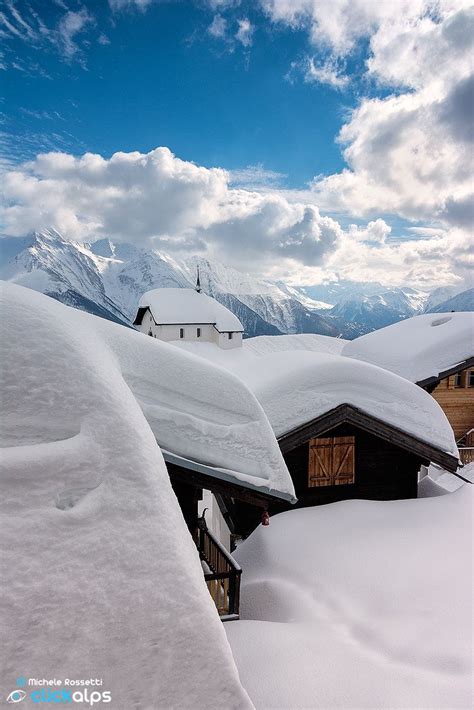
<point x="150" y="333"/>
<point x="181" y="333"/>
<point x="198" y="332"/>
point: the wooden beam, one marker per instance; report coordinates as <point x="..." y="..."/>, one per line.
<point x="429" y="383"/>
<point x="216" y="485"/>
<point x="352" y="415"/>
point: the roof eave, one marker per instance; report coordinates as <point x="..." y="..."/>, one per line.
<point x="347" y="413"/>
<point x="435" y="379"/>
<point x="223" y="475"/>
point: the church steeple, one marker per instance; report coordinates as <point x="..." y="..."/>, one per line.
<point x="198" y="281"/>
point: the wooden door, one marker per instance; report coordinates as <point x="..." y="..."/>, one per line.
<point x="331" y="461"/>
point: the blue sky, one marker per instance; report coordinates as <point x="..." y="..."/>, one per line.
<point x="342" y="127"/>
<point x="163" y="79"/>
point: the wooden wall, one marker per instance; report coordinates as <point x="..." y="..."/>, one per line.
<point x="383" y="471"/>
<point x="457" y="403"/>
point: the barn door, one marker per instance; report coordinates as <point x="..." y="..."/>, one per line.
<point x="331" y="461"/>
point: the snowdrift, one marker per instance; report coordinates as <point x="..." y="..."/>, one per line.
<point x="100" y="577"/>
<point x="359" y="604"/>
<point x="418" y="348"/>
<point x="295" y="384"/>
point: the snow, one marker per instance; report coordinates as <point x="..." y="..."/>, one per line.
<point x="359" y="604"/>
<point x="100" y="577"/>
<point x="295" y="386"/>
<point x="419" y="347"/>
<point x="186" y="305"/>
<point x="264" y="344"/>
<point x="197" y="411"/>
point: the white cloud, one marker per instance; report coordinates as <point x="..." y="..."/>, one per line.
<point x="218" y="27"/>
<point x="245" y="31"/>
<point x="407" y="153"/>
<point x="156" y="198"/>
<point x="328" y="72"/>
<point x="70" y="25"/>
<point x="177" y="206"/>
<point x="129" y="4"/>
<point x="255" y="177"/>
<point x="29" y="27"/>
<point x="375" y="232"/>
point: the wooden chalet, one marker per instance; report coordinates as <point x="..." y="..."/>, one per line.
<point x="421" y="349"/>
<point x="347" y="453"/>
<point x="453" y="389"/>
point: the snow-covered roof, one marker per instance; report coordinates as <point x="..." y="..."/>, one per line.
<point x="418" y="348"/>
<point x="296" y="386"/>
<point x="91" y="529"/>
<point x="187" y="306"/>
<point x="264" y="344"/>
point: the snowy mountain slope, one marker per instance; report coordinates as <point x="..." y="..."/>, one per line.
<point x="108" y="279"/>
<point x="68" y="271"/>
<point x="461" y="302"/>
<point x="272" y="303"/>
<point x="379" y="310"/>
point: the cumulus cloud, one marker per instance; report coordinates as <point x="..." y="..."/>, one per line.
<point x="158" y="199"/>
<point x="407" y="153"/>
<point x="155" y="199"/>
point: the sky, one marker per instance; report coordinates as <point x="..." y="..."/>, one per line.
<point x="307" y="140"/>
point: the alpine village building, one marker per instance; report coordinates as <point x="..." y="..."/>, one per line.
<point x="342" y="454"/>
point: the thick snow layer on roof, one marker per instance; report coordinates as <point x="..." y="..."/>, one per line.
<point x="419" y="347"/>
<point x="264" y="344"/>
<point x="100" y="578"/>
<point x="295" y="387"/>
<point x="359" y="604"/>
<point x="198" y="411"/>
<point x="186" y="305"/>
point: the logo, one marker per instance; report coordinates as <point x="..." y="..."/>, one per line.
<point x="16" y="696"/>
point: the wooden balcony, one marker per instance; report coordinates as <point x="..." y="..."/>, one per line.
<point x="221" y="572"/>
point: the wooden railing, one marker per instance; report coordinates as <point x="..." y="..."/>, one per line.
<point x="466" y="454"/>
<point x="221" y="572"/>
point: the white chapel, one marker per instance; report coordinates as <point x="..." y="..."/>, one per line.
<point x="187" y="314"/>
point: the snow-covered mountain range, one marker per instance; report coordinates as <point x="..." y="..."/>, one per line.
<point x="108" y="279"/>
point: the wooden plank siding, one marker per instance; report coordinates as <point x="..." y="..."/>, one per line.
<point x="457" y="402"/>
<point x="382" y="470"/>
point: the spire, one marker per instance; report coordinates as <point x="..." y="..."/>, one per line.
<point x="198" y="281"/>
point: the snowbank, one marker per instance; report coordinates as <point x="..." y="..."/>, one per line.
<point x="419" y="347"/>
<point x="100" y="578"/>
<point x="297" y="384"/>
<point x="265" y="344"/>
<point x="186" y="305"/>
<point x="359" y="604"/>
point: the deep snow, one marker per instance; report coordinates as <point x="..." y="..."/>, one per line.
<point x="419" y="347"/>
<point x="100" y="577"/>
<point x="297" y="384"/>
<point x="359" y="604"/>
